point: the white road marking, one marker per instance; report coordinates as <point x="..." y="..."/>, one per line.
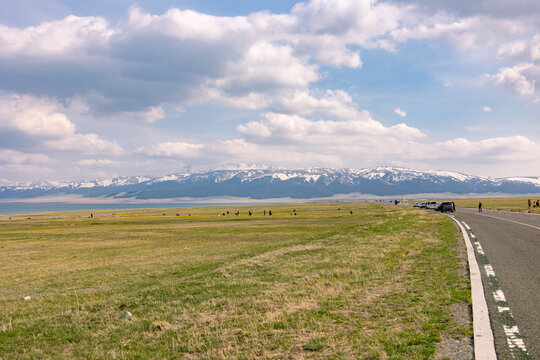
<point x="512" y="221"/>
<point x="499" y="296"/>
<point x="479" y="248"/>
<point x="489" y="270"/>
<point x="512" y="339"/>
<point x="484" y="346"/>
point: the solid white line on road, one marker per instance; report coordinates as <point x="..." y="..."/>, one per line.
<point x="512" y="221"/>
<point x="499" y="296"/>
<point x="484" y="346"/>
<point x="467" y="226"/>
<point x="489" y="270"/>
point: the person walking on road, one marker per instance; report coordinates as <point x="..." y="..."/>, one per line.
<point x="480" y="207"/>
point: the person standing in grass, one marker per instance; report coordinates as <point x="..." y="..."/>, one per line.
<point x="480" y="207"/>
<point x="529" y="202"/>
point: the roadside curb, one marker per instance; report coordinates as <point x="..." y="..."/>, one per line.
<point x="484" y="345"/>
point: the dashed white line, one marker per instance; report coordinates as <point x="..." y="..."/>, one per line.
<point x="503" y="308"/>
<point x="489" y="270"/>
<point x="512" y="339"/>
<point x="479" y="248"/>
<point x="473" y="236"/>
<point x="499" y="296"/>
<point x="467" y="226"/>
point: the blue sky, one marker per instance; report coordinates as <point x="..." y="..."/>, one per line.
<point x="98" y="89"/>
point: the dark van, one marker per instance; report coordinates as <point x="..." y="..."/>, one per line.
<point x="447" y="206"/>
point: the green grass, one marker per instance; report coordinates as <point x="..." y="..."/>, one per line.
<point x="496" y="203"/>
<point x="500" y="203"/>
<point x="376" y="284"/>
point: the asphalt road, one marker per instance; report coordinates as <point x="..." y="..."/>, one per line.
<point x="511" y="242"/>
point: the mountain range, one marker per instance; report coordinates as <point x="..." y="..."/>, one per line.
<point x="266" y="183"/>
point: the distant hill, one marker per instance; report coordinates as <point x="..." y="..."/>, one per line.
<point x="263" y="183"/>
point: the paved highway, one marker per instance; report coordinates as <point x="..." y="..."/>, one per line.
<point x="511" y="243"/>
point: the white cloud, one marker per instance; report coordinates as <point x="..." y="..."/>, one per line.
<point x="513" y="78"/>
<point x="99" y="162"/>
<point x="282" y="128"/>
<point x="502" y="149"/>
<point x="336" y="103"/>
<point x="86" y="144"/>
<point x="173" y="149"/>
<point x="23" y="172"/>
<point x="130" y="69"/>
<point x="17" y="157"/>
<point x="487" y="109"/>
<point x="267" y="67"/>
<point x="466" y="33"/>
<point x="43" y="120"/>
<point x="400" y="112"/>
<point x="33" y="116"/>
<point x="72" y="36"/>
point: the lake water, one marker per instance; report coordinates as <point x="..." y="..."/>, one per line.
<point x="29" y="208"/>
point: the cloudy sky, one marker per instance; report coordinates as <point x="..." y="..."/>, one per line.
<point x="89" y="89"/>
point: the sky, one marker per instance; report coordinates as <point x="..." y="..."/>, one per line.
<point x="95" y="89"/>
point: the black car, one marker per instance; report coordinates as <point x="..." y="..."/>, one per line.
<point x="447" y="206"/>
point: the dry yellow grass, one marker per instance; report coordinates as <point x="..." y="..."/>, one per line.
<point x="378" y="283"/>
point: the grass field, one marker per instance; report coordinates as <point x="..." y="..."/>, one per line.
<point x="501" y="203"/>
<point x="380" y="283"/>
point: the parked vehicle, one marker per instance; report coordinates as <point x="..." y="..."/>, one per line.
<point x="423" y="205"/>
<point x="431" y="205"/>
<point x="447" y="206"/>
<point x="416" y="205"/>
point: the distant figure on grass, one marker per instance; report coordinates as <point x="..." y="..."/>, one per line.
<point x="529" y="202"/>
<point x="270" y="212"/>
<point x="264" y="212"/>
<point x="537" y="203"/>
<point x="479" y="207"/>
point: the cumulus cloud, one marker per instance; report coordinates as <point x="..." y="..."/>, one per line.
<point x="17" y="157"/>
<point x="173" y="149"/>
<point x="400" y="112"/>
<point x="240" y="150"/>
<point x="283" y="128"/>
<point x="267" y="67"/>
<point x="515" y="79"/>
<point x="33" y="116"/>
<point x="466" y="33"/>
<point x="136" y="69"/>
<point x="85" y="143"/>
<point x="42" y="120"/>
<point x="139" y="65"/>
<point x="336" y="103"/>
<point x="69" y="37"/>
<point x="500" y="149"/>
<point x="131" y="69"/>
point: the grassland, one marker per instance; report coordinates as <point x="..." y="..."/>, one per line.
<point x="500" y="203"/>
<point x="380" y="283"/>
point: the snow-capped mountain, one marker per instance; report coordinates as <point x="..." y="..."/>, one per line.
<point x="263" y="182"/>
